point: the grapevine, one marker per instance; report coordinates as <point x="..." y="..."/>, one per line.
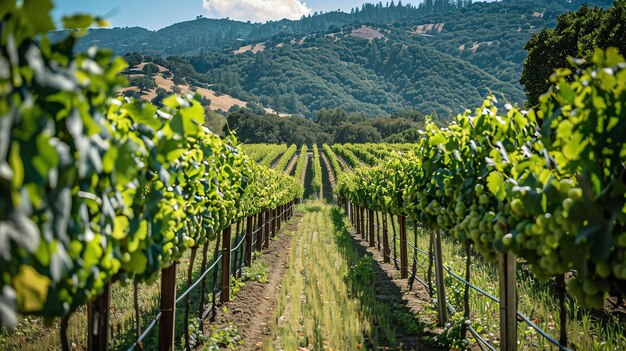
<point x="547" y="184"/>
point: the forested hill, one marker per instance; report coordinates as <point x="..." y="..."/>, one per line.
<point x="213" y="34"/>
<point x="438" y="57"/>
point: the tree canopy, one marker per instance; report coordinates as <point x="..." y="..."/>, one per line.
<point x="577" y="34"/>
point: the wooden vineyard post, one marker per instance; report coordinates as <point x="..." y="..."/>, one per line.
<point x="168" y="308"/>
<point x="283" y="214"/>
<point x="386" y="251"/>
<point x="98" y="321"/>
<point x="370" y="222"/>
<point x="266" y="231"/>
<point x="362" y="222"/>
<point x="404" y="258"/>
<point x="275" y="219"/>
<point x="356" y="219"/>
<point x="508" y="302"/>
<point x="442" y="308"/>
<point x="225" y="295"/>
<point x="352" y="214"/>
<point x="249" y="241"/>
<point x="278" y="218"/>
<point x="259" y="231"/>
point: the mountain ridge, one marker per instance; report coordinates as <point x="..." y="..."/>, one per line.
<point x="440" y="61"/>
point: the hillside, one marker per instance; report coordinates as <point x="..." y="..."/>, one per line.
<point x="377" y="59"/>
<point x="354" y="74"/>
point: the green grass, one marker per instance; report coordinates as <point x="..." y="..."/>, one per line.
<point x="327" y="299"/>
<point x="313" y="298"/>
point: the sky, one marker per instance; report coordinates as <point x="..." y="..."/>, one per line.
<point x="156" y="14"/>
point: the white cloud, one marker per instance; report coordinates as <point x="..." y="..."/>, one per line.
<point x="256" y="10"/>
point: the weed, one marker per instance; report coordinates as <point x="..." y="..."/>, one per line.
<point x="227" y="338"/>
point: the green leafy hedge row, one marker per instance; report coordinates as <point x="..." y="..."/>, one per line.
<point x="285" y="158"/>
<point x="332" y="158"/>
<point x="272" y="154"/>
<point x="301" y="165"/>
<point x="347" y="155"/>
<point x="548" y="184"/>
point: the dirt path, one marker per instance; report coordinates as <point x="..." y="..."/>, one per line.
<point x="253" y="307"/>
<point x="327" y="290"/>
<point x="337" y="295"/>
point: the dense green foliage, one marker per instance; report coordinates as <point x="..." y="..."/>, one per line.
<point x="374" y="77"/>
<point x="553" y="193"/>
<point x="95" y="188"/>
<point x="431" y="58"/>
<point x="253" y="128"/>
<point x="331" y="126"/>
<point x="577" y="34"/>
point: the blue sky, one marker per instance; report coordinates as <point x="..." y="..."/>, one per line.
<point x="155" y="14"/>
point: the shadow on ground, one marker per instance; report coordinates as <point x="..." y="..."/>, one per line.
<point x="394" y="325"/>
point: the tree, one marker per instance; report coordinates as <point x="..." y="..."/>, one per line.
<point x="357" y="133"/>
<point x="142" y="82"/>
<point x="160" y="95"/>
<point x="150" y="68"/>
<point x="133" y="59"/>
<point x="178" y="80"/>
<point x="214" y="121"/>
<point x="577" y="34"/>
